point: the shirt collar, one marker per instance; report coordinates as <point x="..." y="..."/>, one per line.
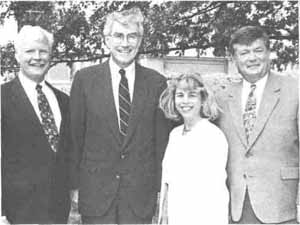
<point x="130" y="70"/>
<point x="260" y="83"/>
<point x="25" y="81"/>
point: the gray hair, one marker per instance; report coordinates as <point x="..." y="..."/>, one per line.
<point x="35" y="33"/>
<point x="126" y="17"/>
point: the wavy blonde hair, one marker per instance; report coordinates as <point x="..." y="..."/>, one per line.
<point x="209" y="108"/>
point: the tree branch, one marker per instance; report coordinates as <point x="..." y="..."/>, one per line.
<point x="202" y="11"/>
<point x="284" y="37"/>
<point x="98" y="57"/>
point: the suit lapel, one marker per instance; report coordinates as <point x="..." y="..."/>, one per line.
<point x="107" y="106"/>
<point x="61" y="105"/>
<point x="63" y="111"/>
<point x="235" y="107"/>
<point x="22" y="103"/>
<point x="269" y="100"/>
<point x="138" y="101"/>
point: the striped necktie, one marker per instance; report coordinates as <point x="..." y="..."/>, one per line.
<point x="124" y="104"/>
<point x="48" y="122"/>
<point x="250" y="112"/>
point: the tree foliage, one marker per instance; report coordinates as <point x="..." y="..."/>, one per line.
<point x="169" y="26"/>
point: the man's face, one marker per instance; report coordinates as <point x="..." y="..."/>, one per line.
<point x="123" y="43"/>
<point x="252" y="61"/>
<point x="34" y="58"/>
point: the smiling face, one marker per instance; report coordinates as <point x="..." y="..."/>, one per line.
<point x="187" y="101"/>
<point x="252" y="61"/>
<point x="34" y="58"/>
<point x="123" y="43"/>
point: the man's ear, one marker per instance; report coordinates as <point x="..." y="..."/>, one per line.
<point x="106" y="41"/>
<point x="17" y="56"/>
<point x="232" y="57"/>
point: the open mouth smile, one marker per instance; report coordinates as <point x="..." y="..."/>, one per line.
<point x="186" y="108"/>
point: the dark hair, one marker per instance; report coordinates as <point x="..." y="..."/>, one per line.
<point x="247" y="35"/>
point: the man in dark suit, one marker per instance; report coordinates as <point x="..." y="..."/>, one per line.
<point x="118" y="131"/>
<point x="35" y="123"/>
<point x="260" y="120"/>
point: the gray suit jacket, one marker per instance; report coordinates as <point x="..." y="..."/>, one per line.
<point x="101" y="163"/>
<point x="268" y="165"/>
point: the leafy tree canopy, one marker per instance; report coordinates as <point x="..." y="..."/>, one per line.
<point x="169" y="26"/>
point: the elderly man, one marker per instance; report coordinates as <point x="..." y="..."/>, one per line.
<point x="259" y="118"/>
<point x="119" y="134"/>
<point x="35" y="123"/>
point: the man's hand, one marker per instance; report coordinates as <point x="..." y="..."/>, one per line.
<point x="298" y="213"/>
<point x="3" y="220"/>
<point x="74" y="196"/>
<point x="74" y="216"/>
<point x="155" y="217"/>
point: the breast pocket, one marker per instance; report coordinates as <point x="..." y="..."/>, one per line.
<point x="289" y="173"/>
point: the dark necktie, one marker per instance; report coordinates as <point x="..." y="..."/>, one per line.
<point x="48" y="122"/>
<point x="124" y="104"/>
<point x="250" y="112"/>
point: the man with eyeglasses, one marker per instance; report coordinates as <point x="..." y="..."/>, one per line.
<point x="119" y="134"/>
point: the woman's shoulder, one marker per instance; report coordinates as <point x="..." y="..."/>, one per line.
<point x="211" y="127"/>
<point x="212" y="130"/>
<point x="177" y="130"/>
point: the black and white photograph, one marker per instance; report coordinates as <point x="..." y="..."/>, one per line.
<point x="149" y="112"/>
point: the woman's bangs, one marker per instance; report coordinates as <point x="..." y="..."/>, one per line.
<point x="188" y="83"/>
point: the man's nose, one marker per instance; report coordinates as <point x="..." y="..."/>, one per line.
<point x="125" y="41"/>
<point x="252" y="55"/>
<point x="37" y="55"/>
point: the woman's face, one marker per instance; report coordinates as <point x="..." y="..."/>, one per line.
<point x="187" y="101"/>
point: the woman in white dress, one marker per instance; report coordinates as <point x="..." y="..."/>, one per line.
<point x="193" y="187"/>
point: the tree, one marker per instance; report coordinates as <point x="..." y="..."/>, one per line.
<point x="169" y="26"/>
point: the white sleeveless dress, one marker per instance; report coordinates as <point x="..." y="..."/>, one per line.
<point x="194" y="169"/>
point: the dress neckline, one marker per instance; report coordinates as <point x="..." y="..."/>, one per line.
<point x="186" y="132"/>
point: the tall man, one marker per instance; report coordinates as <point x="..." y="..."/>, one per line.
<point x="35" y="123"/>
<point x="118" y="132"/>
<point x="260" y="121"/>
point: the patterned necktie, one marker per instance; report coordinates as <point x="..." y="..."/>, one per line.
<point x="48" y="122"/>
<point x="124" y="104"/>
<point x="250" y="112"/>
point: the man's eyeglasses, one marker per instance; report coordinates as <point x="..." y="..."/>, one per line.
<point x="131" y="38"/>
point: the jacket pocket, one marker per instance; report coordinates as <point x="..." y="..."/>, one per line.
<point x="288" y="173"/>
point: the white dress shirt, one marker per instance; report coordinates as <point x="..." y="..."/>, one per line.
<point x="31" y="92"/>
<point x="116" y="78"/>
<point x="260" y="86"/>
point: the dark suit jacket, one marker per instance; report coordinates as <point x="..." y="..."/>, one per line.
<point x="34" y="178"/>
<point x="268" y="165"/>
<point x="101" y="163"/>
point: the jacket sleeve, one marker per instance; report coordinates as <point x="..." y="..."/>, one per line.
<point x="298" y="193"/>
<point x="163" y="127"/>
<point x="77" y="125"/>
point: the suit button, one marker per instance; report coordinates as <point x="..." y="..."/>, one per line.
<point x="245" y="175"/>
<point x="118" y="177"/>
<point x="122" y="156"/>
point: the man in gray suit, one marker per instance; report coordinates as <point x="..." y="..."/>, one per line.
<point x="119" y="134"/>
<point x="259" y="119"/>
